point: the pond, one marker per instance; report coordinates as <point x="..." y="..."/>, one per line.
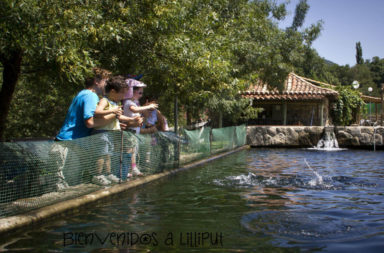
<point x="257" y="200"/>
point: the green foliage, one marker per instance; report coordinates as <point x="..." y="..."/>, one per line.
<point x="200" y="51"/>
<point x="234" y="111"/>
<point x="359" y="53"/>
<point x="39" y="110"/>
<point x="362" y="74"/>
<point x="204" y="52"/>
<point x="368" y="74"/>
<point x="57" y="42"/>
<point x="315" y="67"/>
<point x="376" y="67"/>
<point x="342" y="74"/>
<point x="52" y="35"/>
<point x="300" y="13"/>
<point x="348" y="105"/>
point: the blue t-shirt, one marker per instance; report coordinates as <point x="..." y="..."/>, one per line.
<point x="82" y="108"/>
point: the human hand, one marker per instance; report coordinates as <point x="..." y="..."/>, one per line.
<point x="153" y="106"/>
<point x="117" y="110"/>
<point x="138" y="121"/>
<point x="123" y="126"/>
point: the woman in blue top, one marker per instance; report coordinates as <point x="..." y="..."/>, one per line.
<point x="80" y="120"/>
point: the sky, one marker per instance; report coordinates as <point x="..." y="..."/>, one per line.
<point x="345" y="22"/>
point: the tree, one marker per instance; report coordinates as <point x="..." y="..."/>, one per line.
<point x="202" y="52"/>
<point x="362" y="74"/>
<point x="376" y="67"/>
<point x="342" y="74"/>
<point x="49" y="38"/>
<point x="300" y="12"/>
<point x="359" y="53"/>
<point x="306" y="61"/>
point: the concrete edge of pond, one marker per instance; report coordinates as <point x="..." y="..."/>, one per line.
<point x="30" y="218"/>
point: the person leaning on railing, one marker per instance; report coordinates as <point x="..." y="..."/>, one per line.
<point x="109" y="104"/>
<point x="133" y="109"/>
<point x="154" y="120"/>
<point x="80" y="121"/>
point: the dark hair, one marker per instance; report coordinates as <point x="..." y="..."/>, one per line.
<point x="151" y="98"/>
<point x="116" y="83"/>
<point x="136" y="88"/>
<point x="89" y="82"/>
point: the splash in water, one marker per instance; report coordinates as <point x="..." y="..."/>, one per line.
<point x="316" y="181"/>
<point x="328" y="142"/>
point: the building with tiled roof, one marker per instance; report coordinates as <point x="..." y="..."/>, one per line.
<point x="299" y="103"/>
<point x="373" y="104"/>
<point x="295" y="88"/>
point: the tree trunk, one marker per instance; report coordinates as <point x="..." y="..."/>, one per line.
<point x="220" y="119"/>
<point x="11" y="73"/>
<point x="189" y="116"/>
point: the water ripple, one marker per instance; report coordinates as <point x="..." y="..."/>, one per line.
<point x="300" y="226"/>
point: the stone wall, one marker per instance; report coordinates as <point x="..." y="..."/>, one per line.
<point x="305" y="136"/>
<point x="359" y="136"/>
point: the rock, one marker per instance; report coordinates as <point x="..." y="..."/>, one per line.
<point x="271" y="131"/>
<point x="367" y="130"/>
<point x="366" y="139"/>
<point x="268" y="140"/>
<point x="343" y="138"/>
<point x="355" y="141"/>
<point x="378" y="139"/>
<point x="354" y="131"/>
<point x="304" y="140"/>
<point x="255" y="137"/>
<point x="278" y="140"/>
<point x="305" y="136"/>
<point x="291" y="137"/>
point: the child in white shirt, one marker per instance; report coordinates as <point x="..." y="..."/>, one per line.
<point x="132" y="109"/>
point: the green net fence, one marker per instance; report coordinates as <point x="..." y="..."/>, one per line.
<point x="195" y="145"/>
<point x="34" y="174"/>
<point x="223" y="139"/>
<point x="240" y="135"/>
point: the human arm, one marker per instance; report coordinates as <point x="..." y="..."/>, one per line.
<point x="100" y="121"/>
<point x="90" y="103"/>
<point x="131" y="121"/>
<point x="100" y="109"/>
<point x="138" y="109"/>
<point x="160" y="124"/>
<point x="149" y="130"/>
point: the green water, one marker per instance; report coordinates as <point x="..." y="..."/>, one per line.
<point x="261" y="200"/>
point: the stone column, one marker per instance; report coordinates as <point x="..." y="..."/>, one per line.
<point x="285" y="113"/>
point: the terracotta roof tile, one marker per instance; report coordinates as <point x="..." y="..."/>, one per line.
<point x="296" y="88"/>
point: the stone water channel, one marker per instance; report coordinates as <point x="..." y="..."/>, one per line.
<point x="257" y="200"/>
